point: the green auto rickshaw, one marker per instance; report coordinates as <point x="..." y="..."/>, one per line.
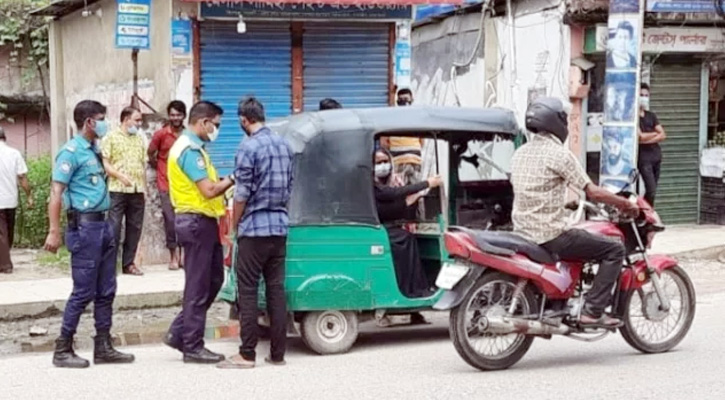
<point x="339" y="268"/>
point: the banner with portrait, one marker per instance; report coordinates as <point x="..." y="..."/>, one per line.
<point x="620" y="135"/>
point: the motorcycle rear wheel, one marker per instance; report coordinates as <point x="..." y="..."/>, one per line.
<point x="646" y="328"/>
<point x="492" y="293"/>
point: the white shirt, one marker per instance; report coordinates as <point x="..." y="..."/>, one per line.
<point x="12" y="165"/>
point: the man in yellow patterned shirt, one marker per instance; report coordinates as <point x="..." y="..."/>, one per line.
<point x="124" y="158"/>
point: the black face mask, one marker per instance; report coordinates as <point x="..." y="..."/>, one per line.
<point x="404" y="102"/>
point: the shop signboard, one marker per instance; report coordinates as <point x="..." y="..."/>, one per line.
<point x="133" y="24"/>
<point x="621" y="117"/>
<point x="284" y="10"/>
<point x="670" y="39"/>
<point x="681" y="6"/>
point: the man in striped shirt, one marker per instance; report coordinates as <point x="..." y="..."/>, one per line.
<point x="406" y="151"/>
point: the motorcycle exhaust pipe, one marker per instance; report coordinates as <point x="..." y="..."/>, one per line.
<point x="505" y="326"/>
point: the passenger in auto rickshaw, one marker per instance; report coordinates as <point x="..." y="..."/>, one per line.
<point x="397" y="205"/>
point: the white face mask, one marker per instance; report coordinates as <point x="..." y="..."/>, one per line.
<point x="132" y="130"/>
<point x="214" y="134"/>
<point x="382" y="170"/>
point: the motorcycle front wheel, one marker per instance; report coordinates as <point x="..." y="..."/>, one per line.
<point x="649" y="329"/>
<point x="490" y="296"/>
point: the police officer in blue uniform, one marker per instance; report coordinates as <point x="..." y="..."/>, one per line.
<point x="79" y="179"/>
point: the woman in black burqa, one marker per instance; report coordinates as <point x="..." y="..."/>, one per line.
<point x="396" y="206"/>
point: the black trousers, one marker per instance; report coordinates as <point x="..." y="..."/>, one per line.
<point x="128" y="209"/>
<point x="167" y="210"/>
<point x="580" y="245"/>
<point x="7" y="235"/>
<point x="409" y="271"/>
<point x="261" y="256"/>
<point x="204" y="274"/>
<point x="650" y="171"/>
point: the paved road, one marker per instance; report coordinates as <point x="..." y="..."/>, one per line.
<point x="404" y="363"/>
<point x="401" y="364"/>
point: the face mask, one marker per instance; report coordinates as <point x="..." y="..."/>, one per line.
<point x="214" y="134"/>
<point x="404" y="102"/>
<point x="101" y="128"/>
<point x="132" y="130"/>
<point x="644" y="102"/>
<point x="246" y="132"/>
<point x="382" y="170"/>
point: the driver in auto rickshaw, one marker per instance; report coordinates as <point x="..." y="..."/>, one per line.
<point x="396" y="205"/>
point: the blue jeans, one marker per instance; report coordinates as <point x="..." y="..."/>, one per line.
<point x="93" y="268"/>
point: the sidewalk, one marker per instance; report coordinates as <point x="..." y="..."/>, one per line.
<point x="162" y="288"/>
<point x="691" y="241"/>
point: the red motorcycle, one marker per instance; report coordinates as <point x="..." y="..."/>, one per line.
<point x="503" y="291"/>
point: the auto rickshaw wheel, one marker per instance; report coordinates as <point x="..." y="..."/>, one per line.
<point x="329" y="332"/>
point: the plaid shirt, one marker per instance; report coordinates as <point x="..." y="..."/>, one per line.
<point x="541" y="171"/>
<point x="263" y="177"/>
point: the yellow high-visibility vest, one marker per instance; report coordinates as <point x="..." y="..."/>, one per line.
<point x="185" y="196"/>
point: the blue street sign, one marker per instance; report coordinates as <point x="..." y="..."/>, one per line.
<point x="181" y="36"/>
<point x="133" y="24"/>
<point x="682" y="6"/>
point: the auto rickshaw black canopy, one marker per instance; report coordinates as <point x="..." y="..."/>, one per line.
<point x="333" y="179"/>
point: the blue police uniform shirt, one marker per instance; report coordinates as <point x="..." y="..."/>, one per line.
<point x="191" y="160"/>
<point x="78" y="165"/>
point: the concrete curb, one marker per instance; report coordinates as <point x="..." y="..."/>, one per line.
<point x="40" y="309"/>
<point x="47" y="344"/>
<point x="708" y="253"/>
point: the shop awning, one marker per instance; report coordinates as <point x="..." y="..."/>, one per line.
<point x="337" y="2"/>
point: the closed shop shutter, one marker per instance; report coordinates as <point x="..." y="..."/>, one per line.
<point x="349" y="63"/>
<point x="676" y="101"/>
<point x="233" y="65"/>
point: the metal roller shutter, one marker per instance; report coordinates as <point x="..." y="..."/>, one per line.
<point x="349" y="63"/>
<point x="234" y="65"/>
<point x="676" y="101"/>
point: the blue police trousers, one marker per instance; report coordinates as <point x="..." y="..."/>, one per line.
<point x="93" y="268"/>
<point x="204" y="274"/>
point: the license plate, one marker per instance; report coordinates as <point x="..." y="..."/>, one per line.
<point x="450" y="275"/>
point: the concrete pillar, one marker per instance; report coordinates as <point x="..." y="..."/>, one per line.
<point x="58" y="125"/>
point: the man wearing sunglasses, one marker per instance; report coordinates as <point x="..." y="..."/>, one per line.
<point x="197" y="194"/>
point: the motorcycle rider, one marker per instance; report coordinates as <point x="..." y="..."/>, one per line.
<point x="542" y="170"/>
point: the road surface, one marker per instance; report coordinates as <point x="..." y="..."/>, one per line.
<point x="405" y="363"/>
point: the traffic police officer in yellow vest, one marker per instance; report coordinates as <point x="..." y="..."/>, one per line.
<point x="197" y="196"/>
<point x="79" y="178"/>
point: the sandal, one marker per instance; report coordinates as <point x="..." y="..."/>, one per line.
<point x="132" y="269"/>
<point x="604" y="321"/>
<point x="173" y="266"/>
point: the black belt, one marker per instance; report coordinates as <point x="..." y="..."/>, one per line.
<point x="87" y="217"/>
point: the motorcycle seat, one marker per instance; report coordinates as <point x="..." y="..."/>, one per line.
<point x="513" y="242"/>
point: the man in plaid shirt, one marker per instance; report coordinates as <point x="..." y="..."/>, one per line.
<point x="263" y="177"/>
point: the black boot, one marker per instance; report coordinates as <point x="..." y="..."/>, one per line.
<point x="65" y="357"/>
<point x="104" y="353"/>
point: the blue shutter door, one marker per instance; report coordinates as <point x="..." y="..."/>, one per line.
<point x="346" y="62"/>
<point x="233" y="65"/>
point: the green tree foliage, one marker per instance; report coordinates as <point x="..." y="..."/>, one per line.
<point x="25" y="36"/>
<point x="31" y="226"/>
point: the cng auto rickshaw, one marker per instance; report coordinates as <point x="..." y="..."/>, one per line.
<point x="339" y="269"/>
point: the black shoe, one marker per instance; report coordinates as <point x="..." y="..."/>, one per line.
<point x="65" y="357"/>
<point x="418" y="319"/>
<point x="104" y="353"/>
<point x="203" y="356"/>
<point x="173" y="342"/>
